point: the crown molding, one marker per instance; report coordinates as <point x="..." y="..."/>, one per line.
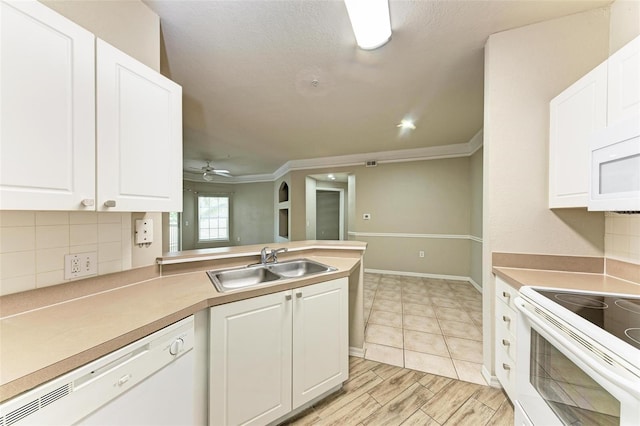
<point x="397" y="156"/>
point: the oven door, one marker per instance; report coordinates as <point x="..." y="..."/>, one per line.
<point x="561" y="381"/>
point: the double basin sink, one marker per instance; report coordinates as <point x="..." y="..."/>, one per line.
<point x="255" y="275"/>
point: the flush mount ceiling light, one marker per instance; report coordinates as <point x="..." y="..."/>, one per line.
<point x="407" y="125"/>
<point x="370" y="21"/>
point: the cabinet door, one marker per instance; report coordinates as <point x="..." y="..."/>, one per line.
<point x="250" y="371"/>
<point x="624" y="83"/>
<point x="139" y="132"/>
<point x="575" y="115"/>
<point x="47" y="110"/>
<point x="320" y="339"/>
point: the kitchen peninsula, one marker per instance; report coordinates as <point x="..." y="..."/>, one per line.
<point x="48" y="332"/>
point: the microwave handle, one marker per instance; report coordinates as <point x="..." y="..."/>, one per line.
<point x="618" y="380"/>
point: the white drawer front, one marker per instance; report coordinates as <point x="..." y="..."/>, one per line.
<point x="506" y="293"/>
<point x="506" y="373"/>
<point x="506" y="342"/>
<point x="506" y="317"/>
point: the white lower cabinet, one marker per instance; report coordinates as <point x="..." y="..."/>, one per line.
<point x="272" y="354"/>
<point x="505" y="335"/>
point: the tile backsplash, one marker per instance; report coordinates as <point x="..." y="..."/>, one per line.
<point x="622" y="237"/>
<point x="33" y="245"/>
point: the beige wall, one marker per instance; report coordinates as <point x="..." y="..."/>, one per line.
<point x="475" y="181"/>
<point x="411" y="198"/>
<point x="128" y="25"/>
<point x="624" y="23"/>
<point x="251" y="213"/>
<point x="38" y="261"/>
<point x="524" y="69"/>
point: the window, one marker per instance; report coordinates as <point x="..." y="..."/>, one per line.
<point x="174" y="231"/>
<point x="213" y="218"/>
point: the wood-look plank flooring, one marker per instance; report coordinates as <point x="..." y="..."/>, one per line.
<point x="382" y="394"/>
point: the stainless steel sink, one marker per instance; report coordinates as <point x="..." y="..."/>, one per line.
<point x="255" y="275"/>
<point x="299" y="268"/>
<point x="234" y="279"/>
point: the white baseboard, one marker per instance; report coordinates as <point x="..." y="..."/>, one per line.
<point x="357" y="352"/>
<point x="491" y="380"/>
<point x="418" y="274"/>
<point x="424" y="275"/>
<point x="475" y="284"/>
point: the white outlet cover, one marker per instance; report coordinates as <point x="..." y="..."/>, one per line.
<point x="79" y="265"/>
<point x="144" y="231"/>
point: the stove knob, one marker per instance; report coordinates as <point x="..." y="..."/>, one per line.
<point x="176" y="346"/>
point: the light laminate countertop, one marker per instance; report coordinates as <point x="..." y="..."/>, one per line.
<point x="40" y="344"/>
<point x="518" y="277"/>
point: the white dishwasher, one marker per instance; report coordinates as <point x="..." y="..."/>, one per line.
<point x="149" y="382"/>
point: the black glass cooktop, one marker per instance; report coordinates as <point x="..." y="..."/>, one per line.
<point x="619" y="316"/>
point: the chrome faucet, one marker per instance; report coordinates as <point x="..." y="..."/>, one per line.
<point x="270" y="256"/>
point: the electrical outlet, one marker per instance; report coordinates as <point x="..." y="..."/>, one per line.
<point x="80" y="265"/>
<point x="421" y="253"/>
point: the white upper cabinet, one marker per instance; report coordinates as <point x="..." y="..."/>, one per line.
<point x="607" y="95"/>
<point x="139" y="135"/>
<point x="624" y="83"/>
<point x="83" y="125"/>
<point x="47" y="112"/>
<point x="575" y="114"/>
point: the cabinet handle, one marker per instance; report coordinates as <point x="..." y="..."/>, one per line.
<point x="287" y="297"/>
<point x="506" y="366"/>
<point x="299" y="294"/>
<point x="505" y="342"/>
<point x="506" y="295"/>
<point x="110" y="203"/>
<point x="87" y="202"/>
<point x="506" y="318"/>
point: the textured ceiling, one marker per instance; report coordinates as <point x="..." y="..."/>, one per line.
<point x="247" y="70"/>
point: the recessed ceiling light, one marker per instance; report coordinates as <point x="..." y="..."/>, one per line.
<point x="407" y="125"/>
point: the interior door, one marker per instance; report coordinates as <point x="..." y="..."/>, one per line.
<point x="328" y="215"/>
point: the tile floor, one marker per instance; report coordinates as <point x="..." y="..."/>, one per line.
<point x="430" y="325"/>
<point x="386" y="395"/>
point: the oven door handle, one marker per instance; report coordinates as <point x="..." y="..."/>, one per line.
<point x="618" y="380"/>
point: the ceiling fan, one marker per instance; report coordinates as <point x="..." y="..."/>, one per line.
<point x="208" y="172"/>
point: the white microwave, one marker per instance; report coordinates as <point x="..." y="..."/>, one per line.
<point x="615" y="167"/>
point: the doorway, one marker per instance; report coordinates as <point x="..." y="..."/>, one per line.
<point x="329" y="205"/>
<point x="329" y="214"/>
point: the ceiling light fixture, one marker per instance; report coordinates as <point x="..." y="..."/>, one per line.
<point x="332" y="177"/>
<point x="407" y="125"/>
<point x="370" y="21"/>
<point x="208" y="176"/>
